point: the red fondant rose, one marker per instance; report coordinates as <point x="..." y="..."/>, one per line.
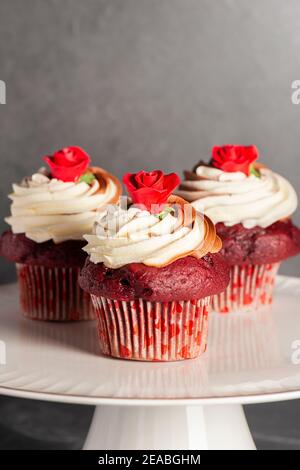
<point x="150" y="189"/>
<point x="68" y="164"/>
<point x="232" y="158"/>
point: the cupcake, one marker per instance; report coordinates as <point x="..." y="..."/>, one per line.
<point x="50" y="212"/>
<point x="251" y="207"/>
<point x="153" y="265"/>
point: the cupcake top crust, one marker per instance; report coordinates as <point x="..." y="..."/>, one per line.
<point x="154" y="246"/>
<point x="234" y="189"/>
<point x="61" y="203"/>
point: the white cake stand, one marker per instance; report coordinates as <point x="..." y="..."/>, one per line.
<point x="196" y="404"/>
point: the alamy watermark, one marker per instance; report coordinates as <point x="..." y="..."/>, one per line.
<point x="2" y="92"/>
<point x="113" y="219"/>
<point x="2" y="353"/>
<point x="295" y="96"/>
<point x="295" y="356"/>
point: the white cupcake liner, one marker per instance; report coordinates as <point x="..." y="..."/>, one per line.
<point x="152" y="331"/>
<point x="53" y="294"/>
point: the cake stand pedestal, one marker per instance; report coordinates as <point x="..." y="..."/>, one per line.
<point x="170" y="427"/>
<point x="194" y="405"/>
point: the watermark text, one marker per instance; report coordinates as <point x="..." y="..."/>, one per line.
<point x="2" y="353"/>
<point x="295" y="357"/>
<point x="2" y="92"/>
<point x="295" y="96"/>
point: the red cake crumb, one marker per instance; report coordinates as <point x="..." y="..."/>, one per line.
<point x="242" y="246"/>
<point x="20" y="249"/>
<point x="184" y="279"/>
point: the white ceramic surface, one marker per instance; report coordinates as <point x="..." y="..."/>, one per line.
<point x="248" y="360"/>
<point x="169" y="428"/>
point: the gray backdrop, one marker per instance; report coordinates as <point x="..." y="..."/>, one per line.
<point x="147" y="83"/>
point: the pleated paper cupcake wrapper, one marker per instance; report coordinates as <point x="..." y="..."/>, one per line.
<point x="152" y="331"/>
<point x="250" y="288"/>
<point x="53" y="294"/>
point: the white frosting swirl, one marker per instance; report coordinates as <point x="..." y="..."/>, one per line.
<point x="50" y="209"/>
<point x="135" y="236"/>
<point x="234" y="198"/>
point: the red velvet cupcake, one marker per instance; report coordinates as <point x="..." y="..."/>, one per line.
<point x="251" y="207"/>
<point x="50" y="212"/>
<point x="152" y="269"/>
